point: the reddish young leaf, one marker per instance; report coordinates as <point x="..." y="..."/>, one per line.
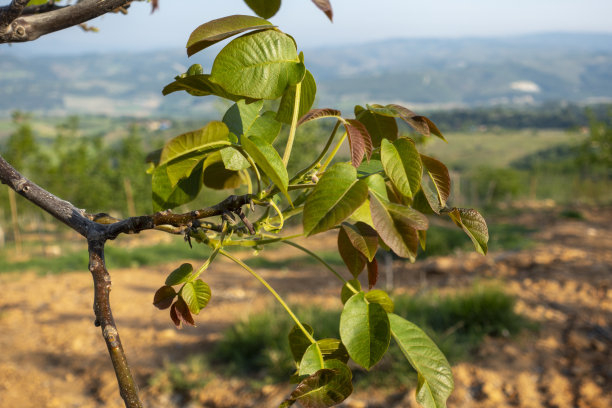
<point x="314" y="114"/>
<point x="440" y="177"/>
<point x="325" y="6"/>
<point x="360" y="141"/>
<point x="372" y="273"/>
<point x="182" y="312"/>
<point x="163" y="297"/>
<point x="174" y="316"/>
<point x="363" y="237"/>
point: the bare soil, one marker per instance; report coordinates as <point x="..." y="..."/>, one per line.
<point x="53" y="355"/>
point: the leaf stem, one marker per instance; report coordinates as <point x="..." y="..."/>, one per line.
<point x="274" y="293"/>
<point x="333" y="153"/>
<point x="294" y="119"/>
<point x="321" y="155"/>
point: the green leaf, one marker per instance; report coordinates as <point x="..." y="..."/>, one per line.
<point x="264" y="8"/>
<point x="440" y="177"/>
<point x="364" y="330"/>
<point x="233" y="159"/>
<point x="360" y="142"/>
<point x="474" y="225"/>
<point x="402" y="164"/>
<point x="315" y="114"/>
<point x="199" y="85"/>
<point x="258" y="65"/>
<point x="371" y="167"/>
<point x="196" y="295"/>
<point x="213" y="135"/>
<point x="179" y="275"/>
<point x="379" y="127"/>
<point x="376" y="184"/>
<point x="333" y="349"/>
<point x="397" y="226"/>
<point x="163" y="297"/>
<point x="240" y="116"/>
<point x="307" y="97"/>
<point x="298" y="342"/>
<point x="363" y="237"/>
<point x="335" y="197"/>
<point x="353" y="259"/>
<point x="435" y="378"/>
<point x="382" y="298"/>
<point x="267" y="158"/>
<point x="217" y="176"/>
<point x="217" y="30"/>
<point x="167" y="195"/>
<point x="325" y="388"/>
<point x="325" y="6"/>
<point x="312" y="360"/>
<point x="347" y="293"/>
<point x="265" y="127"/>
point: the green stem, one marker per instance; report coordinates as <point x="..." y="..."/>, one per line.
<point x="294" y="119"/>
<point x="321" y="155"/>
<point x="274" y="293"/>
<point x="333" y="153"/>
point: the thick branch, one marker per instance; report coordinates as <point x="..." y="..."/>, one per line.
<point x="28" y="28"/>
<point x="11" y="12"/>
<point x="60" y="209"/>
<point x="104" y="318"/>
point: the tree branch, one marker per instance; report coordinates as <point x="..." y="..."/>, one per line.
<point x="104" y="319"/>
<point x="28" y="28"/>
<point x="11" y="12"/>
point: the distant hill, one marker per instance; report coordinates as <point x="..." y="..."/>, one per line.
<point x="430" y="73"/>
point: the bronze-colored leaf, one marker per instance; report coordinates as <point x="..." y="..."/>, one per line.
<point x="163" y="297"/>
<point x="360" y="141"/>
<point x="372" y="273"/>
<point x="325" y="6"/>
<point x="314" y="114"/>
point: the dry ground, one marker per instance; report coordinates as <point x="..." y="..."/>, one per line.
<point x="53" y="355"/>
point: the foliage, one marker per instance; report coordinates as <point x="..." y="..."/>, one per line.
<point x="378" y="198"/>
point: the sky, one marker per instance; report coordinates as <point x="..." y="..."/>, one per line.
<point x="355" y="21"/>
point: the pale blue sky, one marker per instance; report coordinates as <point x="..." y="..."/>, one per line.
<point x="355" y="21"/>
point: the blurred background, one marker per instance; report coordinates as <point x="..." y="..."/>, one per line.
<point x="521" y="90"/>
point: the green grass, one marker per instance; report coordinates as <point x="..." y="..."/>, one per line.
<point x="257" y="348"/>
<point x="116" y="257"/>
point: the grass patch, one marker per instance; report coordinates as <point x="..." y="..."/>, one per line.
<point x="116" y="257"/>
<point x="257" y="348"/>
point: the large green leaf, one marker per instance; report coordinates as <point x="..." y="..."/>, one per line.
<point x="217" y="176"/>
<point x="264" y="8"/>
<point x="267" y="158"/>
<point x="474" y="226"/>
<point x="168" y="195"/>
<point x="379" y="127"/>
<point x="435" y="378"/>
<point x="364" y="330"/>
<point x="397" y="226"/>
<point x="402" y="164"/>
<point x="307" y="96"/>
<point x="440" y="177"/>
<point x="335" y="197"/>
<point x="240" y="116"/>
<point x="217" y="30"/>
<point x="199" y="85"/>
<point x="259" y="65"/>
<point x="382" y="298"/>
<point x="265" y="127"/>
<point x="213" y="135"/>
<point x="325" y="388"/>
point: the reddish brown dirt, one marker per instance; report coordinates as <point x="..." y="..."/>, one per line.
<point x="53" y="355"/>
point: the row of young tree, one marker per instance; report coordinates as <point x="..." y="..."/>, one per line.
<point x="89" y="171"/>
